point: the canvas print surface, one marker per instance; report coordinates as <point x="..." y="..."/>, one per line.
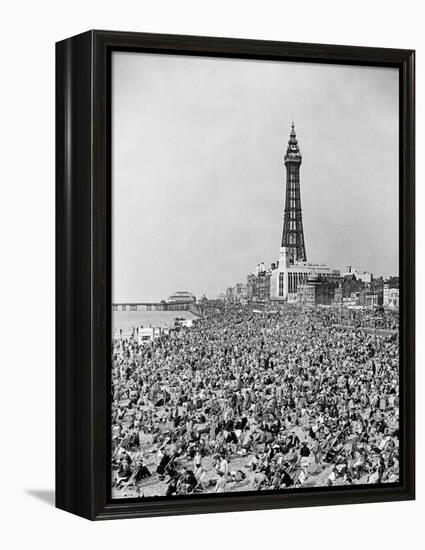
<point x="255" y="288"/>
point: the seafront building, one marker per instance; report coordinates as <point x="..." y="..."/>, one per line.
<point x="319" y="291"/>
<point x="237" y="293"/>
<point x="365" y="276"/>
<point x="391" y="293"/>
<point x="181" y="297"/>
<point x="258" y="285"/>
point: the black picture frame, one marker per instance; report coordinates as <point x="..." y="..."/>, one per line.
<point x="83" y="271"/>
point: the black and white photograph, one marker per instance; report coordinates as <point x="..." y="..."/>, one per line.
<point x="212" y="237"/>
<point x="255" y="287"/>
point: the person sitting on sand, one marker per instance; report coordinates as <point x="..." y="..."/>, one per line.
<point x="124" y="473"/>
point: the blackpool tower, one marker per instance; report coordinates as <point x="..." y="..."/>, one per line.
<point x="293" y="233"/>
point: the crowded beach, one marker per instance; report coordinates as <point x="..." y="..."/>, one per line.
<point x="245" y="400"/>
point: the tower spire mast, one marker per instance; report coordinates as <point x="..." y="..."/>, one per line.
<point x="293" y="233"/>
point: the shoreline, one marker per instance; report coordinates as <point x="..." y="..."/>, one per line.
<point x="129" y="321"/>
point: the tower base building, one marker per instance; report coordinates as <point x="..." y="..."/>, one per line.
<point x="286" y="277"/>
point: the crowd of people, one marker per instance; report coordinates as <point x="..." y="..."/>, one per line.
<point x="247" y="401"/>
<point x="367" y="319"/>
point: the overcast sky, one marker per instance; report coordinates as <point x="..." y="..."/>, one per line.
<point x="198" y="177"/>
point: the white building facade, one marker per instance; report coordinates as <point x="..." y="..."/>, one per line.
<point x="287" y="276"/>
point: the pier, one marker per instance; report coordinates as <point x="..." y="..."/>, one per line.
<point x="157" y="306"/>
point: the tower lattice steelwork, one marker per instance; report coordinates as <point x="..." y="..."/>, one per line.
<point x="293" y="233"/>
